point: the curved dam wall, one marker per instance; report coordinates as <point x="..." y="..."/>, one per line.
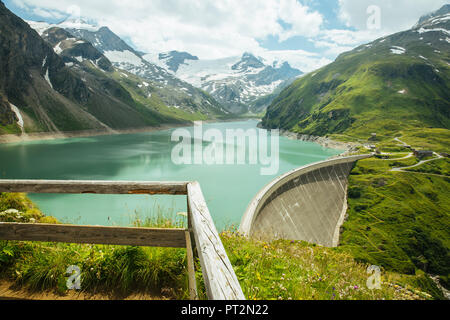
<point x="309" y="203"/>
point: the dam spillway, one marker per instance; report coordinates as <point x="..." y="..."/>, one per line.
<point x="309" y="204"/>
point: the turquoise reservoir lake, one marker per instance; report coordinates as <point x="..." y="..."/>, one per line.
<point x="228" y="189"/>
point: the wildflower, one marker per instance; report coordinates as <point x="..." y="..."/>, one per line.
<point x="11" y="211"/>
<point x="356" y="287"/>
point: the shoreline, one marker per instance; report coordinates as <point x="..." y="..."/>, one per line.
<point x="347" y="147"/>
<point x="44" y="136"/>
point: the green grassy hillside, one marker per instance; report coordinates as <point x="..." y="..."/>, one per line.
<point x="397" y="87"/>
<point x="396" y="83"/>
<point x="399" y="220"/>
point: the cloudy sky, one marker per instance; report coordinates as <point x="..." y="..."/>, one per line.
<point x="308" y="33"/>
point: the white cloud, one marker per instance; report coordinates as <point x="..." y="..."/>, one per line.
<point x="47" y="14"/>
<point x="208" y="29"/>
<point x="358" y="15"/>
<point x="303" y="21"/>
<point x="213" y="29"/>
<point x="395" y="16"/>
<point x="337" y="41"/>
<point x="300" y="59"/>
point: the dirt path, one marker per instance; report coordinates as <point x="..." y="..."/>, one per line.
<point x="405" y="157"/>
<point x="8" y="292"/>
<point x="418" y="164"/>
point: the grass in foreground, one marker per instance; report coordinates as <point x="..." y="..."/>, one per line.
<point x="292" y="270"/>
<point x="277" y="270"/>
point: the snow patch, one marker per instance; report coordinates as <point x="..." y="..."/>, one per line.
<point x="78" y="24"/>
<point x="57" y="48"/>
<point x="440" y="19"/>
<point x="47" y="78"/>
<point x="18" y="115"/>
<point x="40" y="27"/>
<point x="398" y="50"/>
<point x="423" y="30"/>
<point x="124" y="57"/>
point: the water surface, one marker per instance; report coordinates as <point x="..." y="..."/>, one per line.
<point x="228" y="189"/>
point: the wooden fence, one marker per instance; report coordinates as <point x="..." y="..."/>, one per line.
<point x="201" y="236"/>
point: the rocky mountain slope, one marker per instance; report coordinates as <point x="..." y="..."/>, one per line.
<point x="68" y="87"/>
<point x="236" y="82"/>
<point x="174" y="93"/>
<point x="76" y="52"/>
<point x="189" y="84"/>
<point x="395" y="83"/>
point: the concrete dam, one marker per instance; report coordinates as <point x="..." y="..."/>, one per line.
<point x="309" y="203"/>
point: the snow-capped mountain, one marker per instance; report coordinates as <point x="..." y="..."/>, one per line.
<point x="173" y="59"/>
<point x="173" y="91"/>
<point x="436" y="17"/>
<point x="236" y="82"/>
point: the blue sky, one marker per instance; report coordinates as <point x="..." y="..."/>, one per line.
<point x="307" y="33"/>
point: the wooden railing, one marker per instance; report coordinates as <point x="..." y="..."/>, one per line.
<point x="201" y="236"/>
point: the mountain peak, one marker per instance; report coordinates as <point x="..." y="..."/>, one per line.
<point x="444" y="10"/>
<point x="79" y="23"/>
<point x="174" y="59"/>
<point x="248" y="60"/>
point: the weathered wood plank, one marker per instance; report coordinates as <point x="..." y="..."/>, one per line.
<point x="95" y="187"/>
<point x="146" y="237"/>
<point x="220" y="280"/>
<point x="191" y="268"/>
